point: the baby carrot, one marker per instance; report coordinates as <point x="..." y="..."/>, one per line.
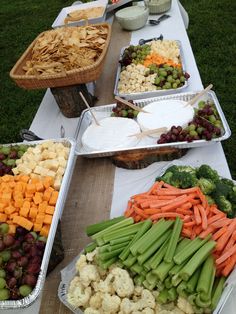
<point x="203" y="216"/>
<point x="197" y="215"/>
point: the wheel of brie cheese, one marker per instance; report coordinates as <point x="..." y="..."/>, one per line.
<point x="112" y="133"/>
<point x="165" y="113"/>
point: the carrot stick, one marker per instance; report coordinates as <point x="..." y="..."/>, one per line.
<point x="166" y="185"/>
<point x="205" y="233"/>
<point x="222" y="241"/>
<point x="183" y="211"/>
<point x="186" y="232"/>
<point x="214" y="218"/>
<point x="202" y="198"/>
<point x="224" y="257"/>
<point x="178" y="203"/>
<point x="217" y="211"/>
<point x="129" y="210"/>
<point x="221" y="223"/>
<point x="230" y="242"/>
<point x="166" y="215"/>
<point x="151" y="211"/>
<point x="219" y="233"/>
<point x="166" y="197"/>
<point x="138" y="195"/>
<point x="187" y="218"/>
<point x="169" y="202"/>
<point x="203" y="216"/>
<point x="140" y="212"/>
<point x="177" y="192"/>
<point x="197" y="215"/>
<point x="187" y="205"/>
<point x="137" y="218"/>
<point x="189" y="224"/>
<point x="156" y="187"/>
<point x="197" y="229"/>
<point x="230" y="265"/>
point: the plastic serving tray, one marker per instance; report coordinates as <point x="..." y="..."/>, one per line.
<point x="148" y="143"/>
<point x="59" y="21"/>
<point x="27" y="301"/>
<point x="147" y="94"/>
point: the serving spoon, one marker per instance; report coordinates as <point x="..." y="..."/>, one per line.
<point x="144" y="41"/>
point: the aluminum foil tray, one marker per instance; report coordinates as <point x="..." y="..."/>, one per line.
<point x="147" y="143"/>
<point x="27" y="301"/>
<point x="139" y="95"/>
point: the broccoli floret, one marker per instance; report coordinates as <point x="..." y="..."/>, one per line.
<point x="205" y="171"/>
<point x="222" y="189"/>
<point x="232" y="195"/>
<point x="210" y="200"/>
<point x="206" y="185"/>
<point x="166" y="177"/>
<point x="224" y="205"/>
<point x="187" y="169"/>
<point x="227" y="182"/>
<point x="183" y="180"/>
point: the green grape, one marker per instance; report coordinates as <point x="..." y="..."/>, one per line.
<point x="168" y="85"/>
<point x="161" y="78"/>
<point x="163" y="73"/>
<point x="212" y="118"/>
<point x="157" y="80"/>
<point x="2" y="273"/>
<point x="25" y="290"/>
<point x="192" y="127"/>
<point x="2" y="283"/>
<point x="177" y="81"/>
<point x="170" y="79"/>
<point x="4" y="228"/>
<point x="200" y="129"/>
<point x="6" y="255"/>
<point x="201" y="104"/>
<point x="124" y="113"/>
<point x="193" y="133"/>
<point x="175" y="75"/>
<point x="166" y="66"/>
<point x="158" y="88"/>
<point x="174" y="85"/>
<point x="217" y="123"/>
<point x="113" y="114"/>
<point x="135" y="113"/>
<point x="4" y="294"/>
<point x="182" y="79"/>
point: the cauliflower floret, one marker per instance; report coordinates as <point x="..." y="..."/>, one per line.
<point x="147" y="310"/>
<point x="138" y="290"/>
<point x="122" y="284"/>
<point x="81" y="263"/>
<point x="104" y="286"/>
<point x="77" y="294"/>
<point x="91" y="310"/>
<point x="110" y="303"/>
<point x="185" y="306"/>
<point x="88" y="274"/>
<point x="127" y="306"/>
<point x="90" y="256"/>
<point x="147" y="300"/>
<point x="96" y="300"/>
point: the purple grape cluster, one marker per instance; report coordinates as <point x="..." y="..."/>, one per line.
<point x="8" y="156"/>
<point x="124" y="111"/>
<point x="20" y="260"/>
<point x="205" y="125"/>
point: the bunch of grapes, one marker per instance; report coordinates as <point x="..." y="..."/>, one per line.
<point x="8" y="156"/>
<point x="135" y="54"/>
<point x="205" y="125"/>
<point x="168" y="77"/>
<point x="124" y="111"/>
<point x="20" y="259"/>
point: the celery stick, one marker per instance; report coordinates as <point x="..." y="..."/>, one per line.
<point x="107" y="263"/>
<point x="160" y="285"/>
<point x="121" y="240"/>
<point x="175" y="269"/>
<point x="116" y="226"/>
<point x="153" y="248"/>
<point x="193" y="280"/>
<point x="217" y="292"/>
<point x="152" y="237"/>
<point x="117" y="246"/>
<point x="147" y="224"/>
<point x="176" y="279"/>
<point x="191" y="299"/>
<point x="162" y="297"/>
<point x="181" y="290"/>
<point x="122" y="232"/>
<point x="199" y="302"/>
<point x="95" y="228"/>
<point x="207" y="296"/>
<point x="172" y="244"/>
<point x="136" y="268"/>
<point x="151" y="278"/>
<point x="90" y="247"/>
<point x="156" y="259"/>
<point x="172" y="294"/>
<point x="205" y="277"/>
<point x="142" y="241"/>
<point x="147" y="285"/>
<point x="139" y="279"/>
<point x="199" y="310"/>
<point x="168" y="283"/>
<point x="107" y="255"/>
<point x="146" y="265"/>
<point x="103" y="248"/>
<point x="193" y="247"/>
<point x="143" y="273"/>
<point x="130" y="260"/>
<point x="197" y="259"/>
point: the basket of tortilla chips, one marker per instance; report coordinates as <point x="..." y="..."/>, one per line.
<point x="62" y="57"/>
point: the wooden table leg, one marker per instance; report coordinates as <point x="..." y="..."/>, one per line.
<point x="69" y="100"/>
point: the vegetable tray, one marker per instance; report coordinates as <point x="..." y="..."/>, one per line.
<point x="28" y="300"/>
<point x="139" y="95"/>
<point x="147" y="143"/>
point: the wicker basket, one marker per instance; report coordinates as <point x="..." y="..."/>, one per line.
<point x="159" y="6"/>
<point x="66" y="78"/>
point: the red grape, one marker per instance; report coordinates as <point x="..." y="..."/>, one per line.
<point x="2" y="245"/>
<point x="8" y="240"/>
<point x="11" y="283"/>
<point x="10" y="266"/>
<point x="22" y="261"/>
<point x="18" y="272"/>
<point x="33" y="268"/>
<point x="29" y="238"/>
<point x="26" y="246"/>
<point x="30" y="280"/>
<point x="16" y="254"/>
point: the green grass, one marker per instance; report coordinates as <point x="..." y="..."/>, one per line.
<point x="211" y="32"/>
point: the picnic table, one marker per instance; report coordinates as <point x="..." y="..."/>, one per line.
<point x="96" y="190"/>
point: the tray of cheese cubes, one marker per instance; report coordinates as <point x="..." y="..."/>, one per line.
<point x="34" y="181"/>
<point x="166" y="121"/>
